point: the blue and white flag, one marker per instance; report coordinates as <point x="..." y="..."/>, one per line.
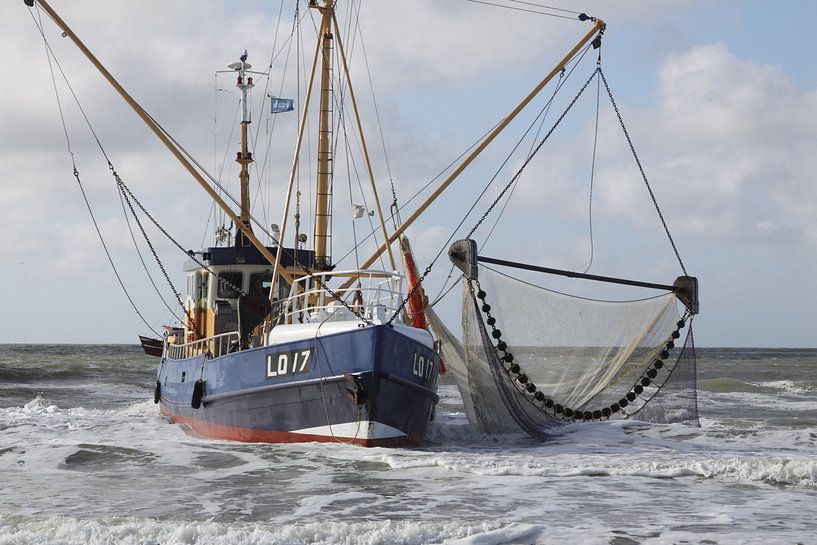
<point x="281" y="105"/>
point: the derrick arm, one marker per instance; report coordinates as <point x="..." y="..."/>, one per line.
<point x="157" y="130"/>
<point x="598" y="27"/>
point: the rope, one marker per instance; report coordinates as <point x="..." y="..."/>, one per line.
<point x="641" y="169"/>
<point x="593" y="167"/>
<point x="562" y="80"/>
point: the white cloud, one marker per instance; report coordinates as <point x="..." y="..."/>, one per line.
<point x="729" y="144"/>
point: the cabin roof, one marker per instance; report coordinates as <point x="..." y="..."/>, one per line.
<point x="249" y="255"/>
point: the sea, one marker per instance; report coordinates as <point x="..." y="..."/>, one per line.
<point x="85" y="458"/>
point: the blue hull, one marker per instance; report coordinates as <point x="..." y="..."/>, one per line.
<point x="370" y="386"/>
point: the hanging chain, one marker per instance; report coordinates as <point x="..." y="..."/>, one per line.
<point x="641" y="169"/>
<point x="105" y="246"/>
<point x="126" y="194"/>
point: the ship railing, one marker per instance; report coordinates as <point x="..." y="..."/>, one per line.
<point x="376" y="295"/>
<point x="214" y="346"/>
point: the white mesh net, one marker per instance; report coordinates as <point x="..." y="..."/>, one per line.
<point x="533" y="359"/>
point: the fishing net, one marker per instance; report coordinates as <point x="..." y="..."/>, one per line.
<point x="534" y="359"/>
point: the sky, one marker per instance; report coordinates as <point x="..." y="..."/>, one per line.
<point x="720" y="99"/>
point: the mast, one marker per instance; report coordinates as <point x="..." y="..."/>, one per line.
<point x="244" y="157"/>
<point x="323" y="189"/>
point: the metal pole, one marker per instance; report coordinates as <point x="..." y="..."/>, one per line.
<point x="572" y="274"/>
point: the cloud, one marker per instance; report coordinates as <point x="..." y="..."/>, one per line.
<point x="743" y="143"/>
<point x="729" y="144"/>
<point x="728" y="147"/>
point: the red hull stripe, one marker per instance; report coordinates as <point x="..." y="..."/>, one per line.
<point x="209" y="430"/>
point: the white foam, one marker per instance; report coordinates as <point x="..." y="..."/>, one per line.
<point x="788" y="386"/>
<point x="133" y="531"/>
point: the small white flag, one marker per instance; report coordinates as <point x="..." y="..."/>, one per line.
<point x="358" y="211"/>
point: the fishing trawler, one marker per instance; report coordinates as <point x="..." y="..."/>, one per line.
<point x="279" y="345"/>
<point x="270" y="353"/>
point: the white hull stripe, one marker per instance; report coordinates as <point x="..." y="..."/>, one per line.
<point x="365" y="429"/>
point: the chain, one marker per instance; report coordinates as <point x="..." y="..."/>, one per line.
<point x="126" y="194"/>
<point x="641" y="169"/>
<point x="411" y="293"/>
<point x="534" y="152"/>
<point x="105" y="246"/>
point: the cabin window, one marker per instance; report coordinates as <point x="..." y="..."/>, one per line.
<point x="201" y="287"/>
<point x="260" y="284"/>
<point x="225" y="289"/>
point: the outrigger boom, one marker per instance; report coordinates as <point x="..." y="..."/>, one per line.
<point x="157" y="130"/>
<point x="598" y="29"/>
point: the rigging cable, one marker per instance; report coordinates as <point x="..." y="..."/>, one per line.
<point x="554" y="8"/>
<point x="204" y="172"/>
<point x="535" y="151"/>
<point x="49" y="53"/>
<point x="562" y="80"/>
<point x="502" y="193"/>
<point x="110" y="165"/>
<point x="543" y="115"/>
<point x="395" y="212"/>
<point x="426" y="186"/>
<point x="394" y="206"/>
<point x="593" y="167"/>
<point x="259" y="195"/>
<point x="121" y="186"/>
<point x="525" y="9"/>
<point x="124" y="191"/>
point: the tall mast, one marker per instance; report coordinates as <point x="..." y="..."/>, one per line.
<point x="323" y="190"/>
<point x="244" y="158"/>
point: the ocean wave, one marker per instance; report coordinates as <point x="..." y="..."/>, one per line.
<point x="795" y="470"/>
<point x="727" y="385"/>
<point x="133" y="531"/>
<point x="790" y="386"/>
